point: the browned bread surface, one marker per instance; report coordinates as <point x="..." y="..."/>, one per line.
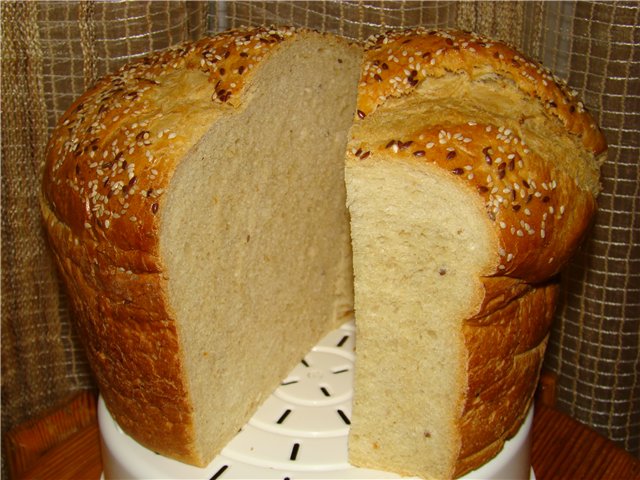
<point x="526" y="198"/>
<point x="160" y="146"/>
<point x="397" y="62"/>
<point x="472" y="174"/>
<point x="98" y="151"/>
<point x="488" y="166"/>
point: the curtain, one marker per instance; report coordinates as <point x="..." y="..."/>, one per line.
<point x="53" y="51"/>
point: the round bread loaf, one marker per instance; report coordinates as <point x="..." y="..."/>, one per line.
<point x="195" y="204"/>
<point x="471" y="179"/>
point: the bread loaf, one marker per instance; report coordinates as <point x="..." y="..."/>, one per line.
<point x="471" y="178"/>
<point x="195" y="204"/>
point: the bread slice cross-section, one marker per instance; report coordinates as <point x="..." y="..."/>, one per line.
<point x="471" y="178"/>
<point x="195" y="204"/>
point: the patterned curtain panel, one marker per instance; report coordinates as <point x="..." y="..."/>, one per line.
<point x="595" y="344"/>
<point x="52" y="51"/>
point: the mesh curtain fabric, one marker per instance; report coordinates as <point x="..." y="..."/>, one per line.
<point x="53" y="51"/>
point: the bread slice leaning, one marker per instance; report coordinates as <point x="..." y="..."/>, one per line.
<point x="471" y="177"/>
<point x="195" y="204"/>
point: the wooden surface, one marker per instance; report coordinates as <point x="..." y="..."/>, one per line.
<point x="62" y="444"/>
<point x="562" y="448"/>
<point x="565" y="449"/>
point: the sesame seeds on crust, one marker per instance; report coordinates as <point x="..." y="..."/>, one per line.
<point x="526" y="200"/>
<point x="397" y="62"/>
<point x="113" y="152"/>
<point x="233" y="56"/>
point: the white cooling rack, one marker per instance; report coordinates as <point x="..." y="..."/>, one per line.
<point x="300" y="432"/>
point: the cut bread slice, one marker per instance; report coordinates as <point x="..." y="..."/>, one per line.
<point x="195" y="204"/>
<point x="471" y="178"/>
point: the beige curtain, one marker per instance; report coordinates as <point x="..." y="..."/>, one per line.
<point x="52" y="51"/>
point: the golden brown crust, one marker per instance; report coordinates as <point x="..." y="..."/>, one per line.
<point x="506" y="348"/>
<point x="108" y="163"/>
<point x="113" y="152"/>
<point x="118" y="313"/>
<point x="396" y="63"/>
<point x="473" y="461"/>
<point x="538" y="213"/>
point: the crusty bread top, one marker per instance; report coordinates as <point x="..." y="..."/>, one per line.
<point x="540" y="198"/>
<point x="119" y="166"/>
<point x="539" y="213"/>
<point x="396" y="62"/>
<point x="114" y="151"/>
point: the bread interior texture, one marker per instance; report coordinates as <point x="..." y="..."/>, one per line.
<point x="255" y="235"/>
<point x="420" y="243"/>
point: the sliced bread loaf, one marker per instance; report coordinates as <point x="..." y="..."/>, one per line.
<point x="195" y="204"/>
<point x="471" y="177"/>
